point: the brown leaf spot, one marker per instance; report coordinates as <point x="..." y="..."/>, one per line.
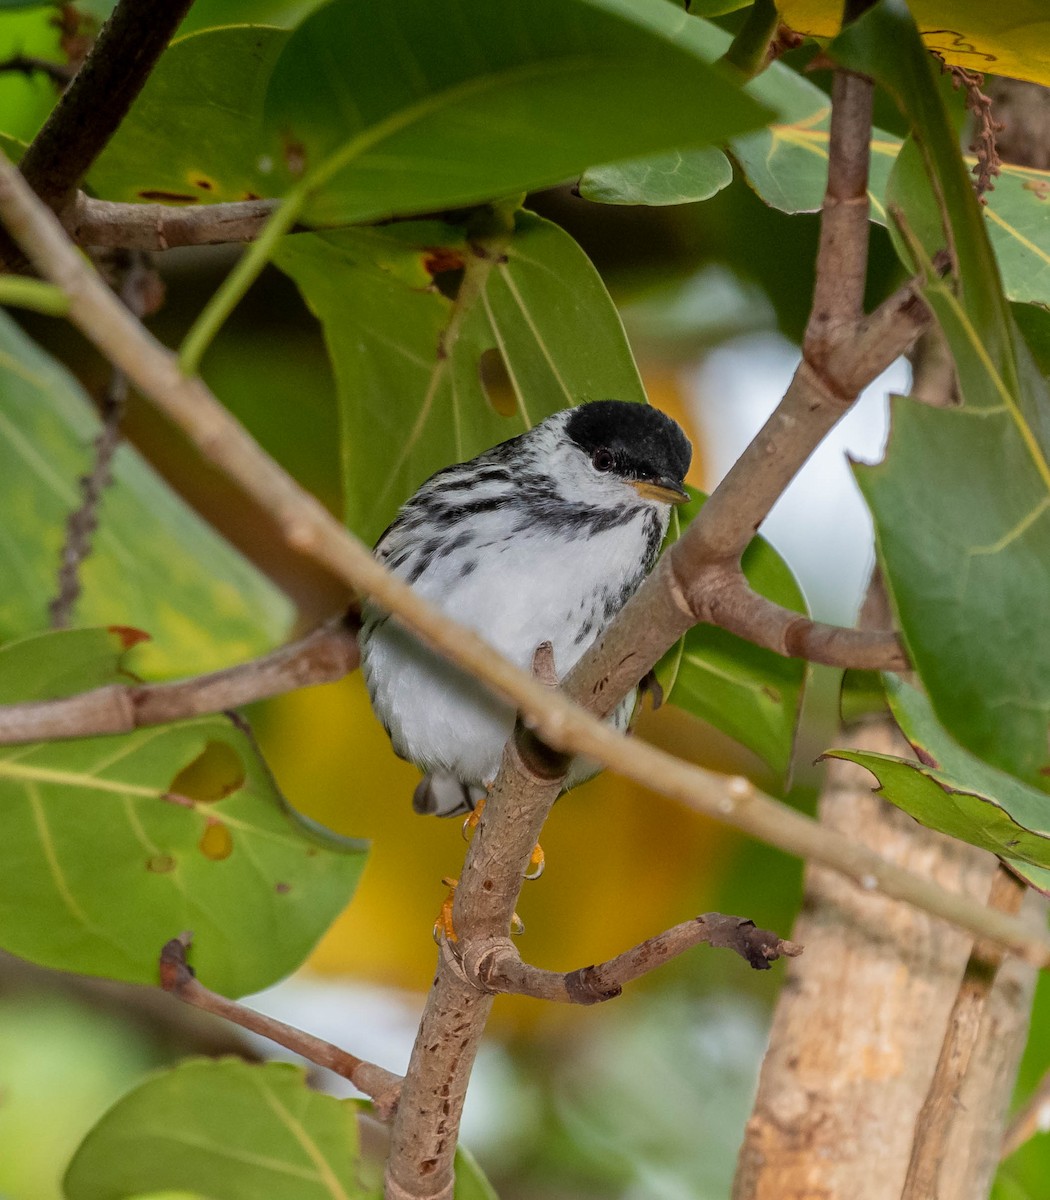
<point x="282" y="889"/>
<point x="1040" y="188"/>
<point x="167" y="197"/>
<point x="204" y="183"/>
<point x="128" y="635"/>
<point x="925" y="757"/>
<point x="216" y="841"/>
<point x="438" y="259"/>
<point x="215" y="773"/>
<point x="160" y="864"/>
<point x="252" y="196"/>
<point x="294" y="153"/>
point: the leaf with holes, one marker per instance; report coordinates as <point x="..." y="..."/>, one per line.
<point x="237" y="1130"/>
<point x="752" y="694"/>
<point x="956" y="793"/>
<point x="962" y="500"/>
<point x="413" y="312"/>
<point x="155" y="565"/>
<point x="113" y="845"/>
<point x="680" y="177"/>
<point x="385" y="109"/>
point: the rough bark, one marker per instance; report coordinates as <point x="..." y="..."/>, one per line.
<point x="859" y="1025"/>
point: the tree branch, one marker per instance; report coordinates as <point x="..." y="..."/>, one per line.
<point x="495" y="965"/>
<point x="323" y="656"/>
<point x="93" y="222"/>
<point x="937" y="1116"/>
<point x="178" y="979"/>
<point x="93" y="106"/>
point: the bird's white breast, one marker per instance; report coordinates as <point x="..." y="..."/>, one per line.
<point x="516" y="589"/>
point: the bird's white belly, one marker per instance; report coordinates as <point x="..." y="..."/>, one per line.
<point x="536" y="589"/>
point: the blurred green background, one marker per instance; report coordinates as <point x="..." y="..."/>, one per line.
<point x="643" y="1097"/>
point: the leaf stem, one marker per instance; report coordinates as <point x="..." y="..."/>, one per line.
<point x="233" y="288"/>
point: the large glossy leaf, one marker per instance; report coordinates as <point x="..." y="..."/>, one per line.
<point x="114" y="845"/>
<point x="1002" y="39"/>
<point x="752" y="694"/>
<point x="407" y="358"/>
<point x="155" y="565"/>
<point x="238" y="1131"/>
<point x="955" y="793"/>
<point x="660" y="179"/>
<point x="382" y="109"/>
<point x="194" y="134"/>
<point x="962" y="500"/>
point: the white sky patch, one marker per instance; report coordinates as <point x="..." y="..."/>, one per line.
<point x="821" y="524"/>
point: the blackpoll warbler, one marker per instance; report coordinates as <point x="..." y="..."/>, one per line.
<point x="542" y="538"/>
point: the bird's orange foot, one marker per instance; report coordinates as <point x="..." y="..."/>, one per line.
<point x="536" y="863"/>
<point x="443" y="927"/>
<point x="471" y="823"/>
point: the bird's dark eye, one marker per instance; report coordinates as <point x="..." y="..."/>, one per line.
<point x="603" y="459"/>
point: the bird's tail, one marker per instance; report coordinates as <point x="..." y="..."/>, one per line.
<point x="439" y="794"/>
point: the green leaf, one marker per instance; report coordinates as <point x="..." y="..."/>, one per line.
<point x="752" y="694"/>
<point x="787" y="165"/>
<point x="46" y="666"/>
<point x="407" y="358"/>
<point x="155" y="564"/>
<point x="962" y="499"/>
<point x="384" y="109"/>
<point x="25" y="100"/>
<point x="208" y="14"/>
<point x="952" y="791"/>
<point x="114" y="845"/>
<point x="194" y="134"/>
<point x="659" y="179"/>
<point x="225" y="1129"/>
<point x="239" y="1131"/>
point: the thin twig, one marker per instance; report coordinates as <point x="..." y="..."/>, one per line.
<point x="177" y="978"/>
<point x="1032" y="1118"/>
<point x="26" y="64"/>
<point x="83" y="520"/>
<point x="495" y="964"/>
<point x="92" y="222"/>
<point x="934" y="1124"/>
<point x="323" y="656"/>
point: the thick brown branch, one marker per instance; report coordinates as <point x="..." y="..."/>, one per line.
<point x="496" y="965"/>
<point x="937" y="1116"/>
<point x="177" y="978"/>
<point x="323" y="656"/>
<point x="93" y="222"/>
<point x="93" y="106"/>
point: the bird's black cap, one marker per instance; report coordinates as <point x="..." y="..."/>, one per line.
<point x="646" y="444"/>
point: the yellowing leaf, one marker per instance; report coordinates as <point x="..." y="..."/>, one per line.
<point x="1002" y="39"/>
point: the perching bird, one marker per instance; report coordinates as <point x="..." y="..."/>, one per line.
<point x="542" y="538"/>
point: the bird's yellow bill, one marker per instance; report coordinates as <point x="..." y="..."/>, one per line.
<point x="665" y="493"/>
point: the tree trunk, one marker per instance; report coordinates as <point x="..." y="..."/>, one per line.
<point x="861" y="1018"/>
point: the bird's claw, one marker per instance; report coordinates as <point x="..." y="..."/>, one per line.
<point x="536" y="863"/>
<point x="444" y="930"/>
<point x="471" y="822"/>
